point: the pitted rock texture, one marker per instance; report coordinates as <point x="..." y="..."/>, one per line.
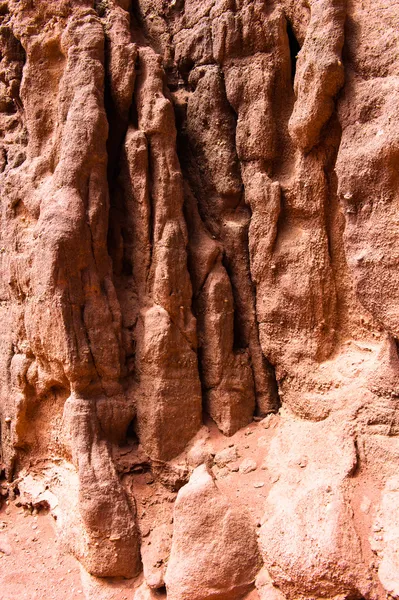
<point x="206" y="526"/>
<point x="199" y="306"/>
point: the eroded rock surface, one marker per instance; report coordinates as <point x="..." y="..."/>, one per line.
<point x="207" y="526"/>
<point x="199" y="277"/>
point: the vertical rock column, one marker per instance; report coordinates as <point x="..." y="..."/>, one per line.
<point x="226" y="374"/>
<point x="69" y="337"/>
<point x="289" y="261"/>
<point x="169" y="391"/>
<point x="219" y="192"/>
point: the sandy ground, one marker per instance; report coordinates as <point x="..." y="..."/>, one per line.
<point x="34" y="567"/>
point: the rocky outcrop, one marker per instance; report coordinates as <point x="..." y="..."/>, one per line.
<point x="199" y="229"/>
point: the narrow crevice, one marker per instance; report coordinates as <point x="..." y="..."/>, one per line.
<point x="356" y="467"/>
<point x="185" y="67"/>
<point x="332" y="184"/>
<point x="133" y="113"/>
<point x="274" y="385"/>
<point x="131" y="432"/>
<point x="151" y="209"/>
<point x="139" y="28"/>
<point x="335" y="133"/>
<point x="281" y="220"/>
<point x="161" y="592"/>
<point x="117" y="132"/>
<point x="294" y="49"/>
<point x="204" y="389"/>
<point x="334" y="224"/>
<point x="240" y="339"/>
<point x="136" y="15"/>
<point x="101" y="7"/>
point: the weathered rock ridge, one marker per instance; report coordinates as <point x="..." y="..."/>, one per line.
<point x="199" y="290"/>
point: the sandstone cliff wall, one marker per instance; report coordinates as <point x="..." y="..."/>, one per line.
<point x="199" y="220"/>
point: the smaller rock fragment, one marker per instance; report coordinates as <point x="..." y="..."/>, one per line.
<point x="5" y="546"/>
<point x="226" y="456"/>
<point x="155" y="554"/>
<point x="145" y="593"/>
<point x="247" y="466"/>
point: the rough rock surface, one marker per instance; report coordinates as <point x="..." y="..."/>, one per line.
<point x="199" y="305"/>
<point x="214" y="550"/>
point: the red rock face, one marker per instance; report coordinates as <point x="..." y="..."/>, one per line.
<point x="199" y="227"/>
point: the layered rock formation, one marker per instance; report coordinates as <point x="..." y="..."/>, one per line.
<point x="198" y="229"/>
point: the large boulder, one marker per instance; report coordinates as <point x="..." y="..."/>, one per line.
<point x="214" y="548"/>
<point x="308" y="536"/>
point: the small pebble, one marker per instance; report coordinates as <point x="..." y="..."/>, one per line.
<point x="226" y="456"/>
<point x="247" y="466"/>
<point x="145" y="531"/>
